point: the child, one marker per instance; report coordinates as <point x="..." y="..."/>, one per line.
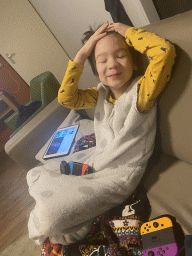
<point x="125" y="113"/>
<point x="125" y="129"/>
<point x="109" y="53"/>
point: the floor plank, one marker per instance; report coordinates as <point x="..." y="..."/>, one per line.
<point x="15" y="201"/>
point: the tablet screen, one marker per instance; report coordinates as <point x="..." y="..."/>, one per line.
<point x="61" y="142"/>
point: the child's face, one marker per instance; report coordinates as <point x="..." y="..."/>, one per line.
<point x="114" y="63"/>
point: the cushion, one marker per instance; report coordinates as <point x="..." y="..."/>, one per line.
<point x="86" y="128"/>
<point x="168" y="184"/>
<point x="175" y="122"/>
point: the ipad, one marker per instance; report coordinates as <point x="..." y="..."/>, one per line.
<point x="61" y="142"/>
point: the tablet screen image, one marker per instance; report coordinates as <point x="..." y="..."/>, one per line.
<point x="61" y="142"/>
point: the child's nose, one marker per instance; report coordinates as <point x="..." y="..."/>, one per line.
<point x="113" y="63"/>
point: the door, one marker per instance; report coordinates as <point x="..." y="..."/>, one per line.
<point x="12" y="83"/>
<point x="27" y="44"/>
<point x="27" y="49"/>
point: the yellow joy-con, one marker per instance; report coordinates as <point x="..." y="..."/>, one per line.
<point x="155" y="225"/>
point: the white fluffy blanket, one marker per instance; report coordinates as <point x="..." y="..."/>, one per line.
<point x="66" y="206"/>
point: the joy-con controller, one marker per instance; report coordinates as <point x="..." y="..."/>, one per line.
<point x="165" y="250"/>
<point x="75" y="168"/>
<point x="155" y="225"/>
<point x="158" y="238"/>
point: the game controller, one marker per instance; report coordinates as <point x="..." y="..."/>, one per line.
<point x="158" y="238"/>
<point x="165" y="250"/>
<point x="155" y="225"/>
<point x="75" y="168"/>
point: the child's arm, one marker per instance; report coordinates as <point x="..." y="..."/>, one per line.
<point x="69" y="94"/>
<point x="161" y="54"/>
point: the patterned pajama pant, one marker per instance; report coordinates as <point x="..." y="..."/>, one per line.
<point x="116" y="232"/>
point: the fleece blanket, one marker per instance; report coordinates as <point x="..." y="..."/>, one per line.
<point x="66" y="206"/>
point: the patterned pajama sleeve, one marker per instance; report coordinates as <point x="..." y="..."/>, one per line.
<point x="70" y="96"/>
<point x="161" y="54"/>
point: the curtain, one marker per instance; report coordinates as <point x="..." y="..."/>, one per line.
<point x="117" y="12"/>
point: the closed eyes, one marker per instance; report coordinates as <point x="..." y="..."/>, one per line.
<point x="121" y="56"/>
<point x="103" y="61"/>
<point x="118" y="57"/>
<point x="120" y="53"/>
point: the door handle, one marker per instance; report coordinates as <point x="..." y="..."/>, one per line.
<point x="10" y="56"/>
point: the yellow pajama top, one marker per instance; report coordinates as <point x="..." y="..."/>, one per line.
<point x="161" y="54"/>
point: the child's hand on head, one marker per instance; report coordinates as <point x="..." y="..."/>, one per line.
<point x="89" y="45"/>
<point x="118" y="27"/>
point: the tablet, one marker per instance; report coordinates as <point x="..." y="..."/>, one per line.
<point x="61" y="142"/>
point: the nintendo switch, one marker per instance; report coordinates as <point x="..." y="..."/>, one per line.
<point x="158" y="238"/>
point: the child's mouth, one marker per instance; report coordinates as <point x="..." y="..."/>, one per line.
<point x="115" y="75"/>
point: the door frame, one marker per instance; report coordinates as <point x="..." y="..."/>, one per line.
<point x="141" y="12"/>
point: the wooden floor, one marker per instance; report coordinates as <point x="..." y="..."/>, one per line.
<point x="15" y="201"/>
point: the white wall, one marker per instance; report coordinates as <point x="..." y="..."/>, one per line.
<point x="141" y="12"/>
<point x="25" y="36"/>
<point x="68" y="20"/>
